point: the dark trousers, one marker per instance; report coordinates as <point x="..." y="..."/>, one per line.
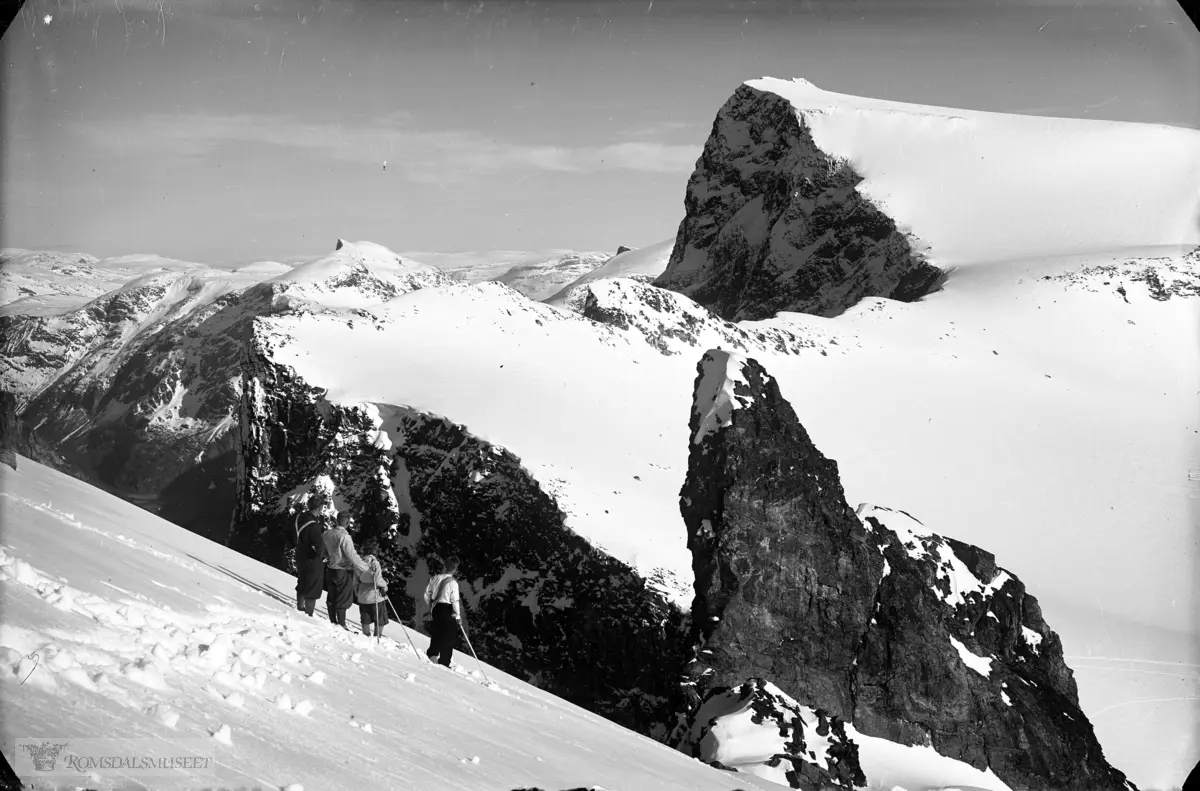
<point x="443" y="634"/>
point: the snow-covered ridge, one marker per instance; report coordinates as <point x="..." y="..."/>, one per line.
<point x="645" y="263"/>
<point x="979" y="186"/>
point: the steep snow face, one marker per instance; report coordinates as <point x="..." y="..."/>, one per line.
<point x="978" y="186"/>
<point x="585" y="405"/>
<point x="643" y="264"/>
<point x="143" y="630"/>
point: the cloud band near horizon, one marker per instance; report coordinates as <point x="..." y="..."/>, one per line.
<point x="423" y="156"/>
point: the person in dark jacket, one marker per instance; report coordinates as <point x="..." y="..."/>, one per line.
<point x="442" y="594"/>
<point x="370" y="590"/>
<point x="307" y="536"/>
<point x="341" y="563"/>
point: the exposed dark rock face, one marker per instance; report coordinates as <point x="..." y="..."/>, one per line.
<point x="17" y="438"/>
<point x="542" y="603"/>
<point x="910" y="636"/>
<point x="138" y="388"/>
<point x="773" y="223"/>
<point x="622" y="249"/>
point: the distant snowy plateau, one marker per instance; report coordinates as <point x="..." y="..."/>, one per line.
<point x="933" y="373"/>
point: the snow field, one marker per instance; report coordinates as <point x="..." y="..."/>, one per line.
<point x="93" y="644"/>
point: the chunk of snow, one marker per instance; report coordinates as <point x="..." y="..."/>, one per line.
<point x="715" y="398"/>
<point x="981" y="665"/>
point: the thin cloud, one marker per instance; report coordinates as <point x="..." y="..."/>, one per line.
<point x="424" y="156"/>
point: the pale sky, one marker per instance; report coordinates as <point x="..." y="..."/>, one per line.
<point x="227" y="131"/>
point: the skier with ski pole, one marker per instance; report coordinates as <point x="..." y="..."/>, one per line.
<point x="442" y="594"/>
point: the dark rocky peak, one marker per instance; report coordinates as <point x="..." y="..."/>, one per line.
<point x="868" y="616"/>
<point x="773" y="223"/>
<point x="622" y="249"/>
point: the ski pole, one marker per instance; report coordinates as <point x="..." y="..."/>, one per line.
<point x="403" y="628"/>
<point x="378" y="626"/>
<point x="463" y="629"/>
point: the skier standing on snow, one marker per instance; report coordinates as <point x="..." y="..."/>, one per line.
<point x="442" y="593"/>
<point x="340" y="565"/>
<point x="370" y="589"/>
<point x="307" y="532"/>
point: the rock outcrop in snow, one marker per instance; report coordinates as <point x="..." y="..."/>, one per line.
<point x="774" y="223"/>
<point x="673" y="324"/>
<point x="542" y="602"/>
<point x="867" y="616"/>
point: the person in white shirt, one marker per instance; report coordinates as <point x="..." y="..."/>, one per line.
<point x="442" y="594"/>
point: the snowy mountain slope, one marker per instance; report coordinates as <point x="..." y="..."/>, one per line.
<point x="536" y="274"/>
<point x="1027" y="406"/>
<point x="805" y="200"/>
<point x="144" y="630"/>
<point x="48" y="283"/>
<point x="644" y="263"/>
<point x="139" y="385"/>
<point x="963" y="180"/>
<point x="541" y="279"/>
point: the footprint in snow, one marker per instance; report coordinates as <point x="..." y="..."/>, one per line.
<point x="224" y="735"/>
<point x="317" y="677"/>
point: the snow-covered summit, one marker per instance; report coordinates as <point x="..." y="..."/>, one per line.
<point x="979" y="186"/>
<point x="354" y="275"/>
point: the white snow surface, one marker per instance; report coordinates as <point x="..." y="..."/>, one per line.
<point x="49" y="283"/>
<point x="1027" y="408"/>
<point x="649" y="261"/>
<point x="978" y="186"/>
<point x="144" y="630"/>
